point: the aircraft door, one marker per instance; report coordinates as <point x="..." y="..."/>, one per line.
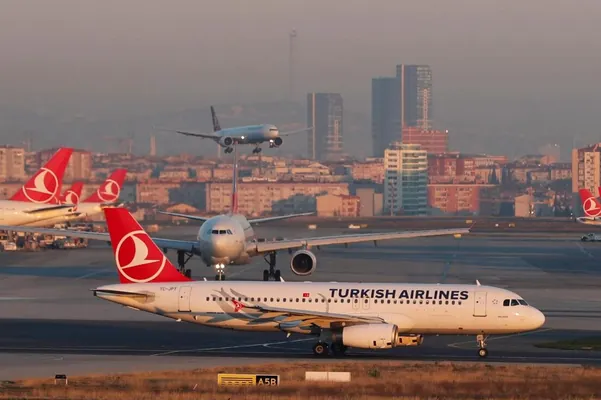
<point x="183" y="303"/>
<point x="480" y="304"/>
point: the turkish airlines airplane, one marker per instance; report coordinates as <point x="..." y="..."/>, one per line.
<point x="105" y="196"/>
<point x="229" y="239"/>
<point x="37" y="200"/>
<point x="249" y="134"/>
<point x="591" y="208"/>
<point x="341" y="315"/>
<point x="72" y="195"/>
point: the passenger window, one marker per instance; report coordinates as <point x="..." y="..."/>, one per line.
<point x="514" y="302"/>
<point x="506" y="303"/>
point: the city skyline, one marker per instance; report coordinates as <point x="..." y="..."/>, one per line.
<point x="506" y="77"/>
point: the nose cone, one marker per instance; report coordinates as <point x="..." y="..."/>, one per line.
<point x="537" y="318"/>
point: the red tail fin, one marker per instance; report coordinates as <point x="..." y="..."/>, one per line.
<point x="73" y="195"/>
<point x="44" y="187"/>
<point x="110" y="190"/>
<point x="138" y="258"/>
<point x="590" y="204"/>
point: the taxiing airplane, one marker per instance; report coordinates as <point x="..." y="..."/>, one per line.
<point x="229" y="239"/>
<point x="591" y="208"/>
<point x="342" y="315"/>
<point x="37" y="200"/>
<point x="249" y="134"/>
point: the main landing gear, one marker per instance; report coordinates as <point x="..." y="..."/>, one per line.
<point x="182" y="258"/>
<point x="482" y="351"/>
<point x="322" y="349"/>
<point x="256" y="150"/>
<point x="228" y="150"/>
<point x="271" y="272"/>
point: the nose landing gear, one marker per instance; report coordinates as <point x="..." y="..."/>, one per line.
<point x="220" y="272"/>
<point x="272" y="272"/>
<point x="182" y="258"/>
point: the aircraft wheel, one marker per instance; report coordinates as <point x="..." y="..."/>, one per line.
<point x="320" y="349"/>
<point x="265" y="275"/>
<point x="278" y="275"/>
<point x="188" y="273"/>
<point x="482" y="353"/>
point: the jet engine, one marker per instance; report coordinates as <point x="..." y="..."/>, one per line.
<point x="303" y="262"/>
<point x="369" y="336"/>
<point x="278" y="141"/>
<point x="226" y="141"/>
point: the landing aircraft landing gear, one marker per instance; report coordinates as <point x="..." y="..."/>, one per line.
<point x="321" y="349"/>
<point x="181" y="262"/>
<point x="257" y="150"/>
<point x="482" y="352"/>
<point x="228" y="150"/>
<point x="272" y="272"/>
<point x="220" y="272"/>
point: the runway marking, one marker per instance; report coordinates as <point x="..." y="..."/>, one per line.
<point x="241" y="346"/>
<point x="457" y="344"/>
<point x="584" y="251"/>
<point x="91" y="274"/>
<point x="16" y="298"/>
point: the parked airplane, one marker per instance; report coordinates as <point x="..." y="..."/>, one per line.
<point x="249" y="134"/>
<point x="342" y="315"/>
<point x="229" y="239"/>
<point x="72" y="195"/>
<point x="591" y="208"/>
<point x="37" y="200"/>
<point x="105" y="196"/>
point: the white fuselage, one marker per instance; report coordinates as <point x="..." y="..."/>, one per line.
<point x="589" y="220"/>
<point x="224" y="240"/>
<point x="80" y="212"/>
<point x="414" y="308"/>
<point x="16" y="213"/>
<point x="251" y="134"/>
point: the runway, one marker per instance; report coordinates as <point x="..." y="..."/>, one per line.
<point x="50" y="322"/>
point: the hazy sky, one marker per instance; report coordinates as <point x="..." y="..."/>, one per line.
<point x="527" y="68"/>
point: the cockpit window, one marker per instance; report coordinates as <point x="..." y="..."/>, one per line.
<point x="222" y="232"/>
<point x="273" y="129"/>
<point x="522" y="302"/>
<point x="229" y="232"/>
<point x="215" y="232"/>
<point x="514" y="302"/>
<point x="506" y="303"/>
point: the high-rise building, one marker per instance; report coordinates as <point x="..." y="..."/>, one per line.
<point x="324" y="114"/>
<point x="406" y="180"/>
<point x="385" y="115"/>
<point x="431" y="140"/>
<point x="586" y="168"/>
<point x="12" y="163"/>
<point x="78" y="168"/>
<point x="416" y="95"/>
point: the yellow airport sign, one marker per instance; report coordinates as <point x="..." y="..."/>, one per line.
<point x="248" y="379"/>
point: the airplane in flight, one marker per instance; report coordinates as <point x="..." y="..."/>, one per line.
<point x="249" y="134"/>
<point x="105" y="196"/>
<point x="341" y="315"/>
<point x="591" y="208"/>
<point x="37" y="201"/>
<point x="229" y="239"/>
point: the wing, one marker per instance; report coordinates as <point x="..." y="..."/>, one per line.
<point x="196" y="134"/>
<point x="192" y="217"/>
<point x="295" y="131"/>
<point x="263" y="247"/>
<point x="279" y="217"/>
<point x="186" y="245"/>
<point x="51" y="208"/>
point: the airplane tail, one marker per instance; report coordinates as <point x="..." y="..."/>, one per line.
<point x="110" y="190"/>
<point x="44" y="187"/>
<point x="590" y="204"/>
<point x="138" y="258"/>
<point x="73" y="195"/>
<point x="216" y="126"/>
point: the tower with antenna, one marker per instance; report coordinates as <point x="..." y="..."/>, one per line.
<point x="153" y="145"/>
<point x="292" y="50"/>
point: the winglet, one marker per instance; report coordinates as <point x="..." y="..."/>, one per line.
<point x="477" y="282"/>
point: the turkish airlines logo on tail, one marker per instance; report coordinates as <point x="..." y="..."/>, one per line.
<point x="138" y="259"/>
<point x="71" y="197"/>
<point x="43" y="188"/>
<point x="591" y="207"/>
<point x="110" y="191"/>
